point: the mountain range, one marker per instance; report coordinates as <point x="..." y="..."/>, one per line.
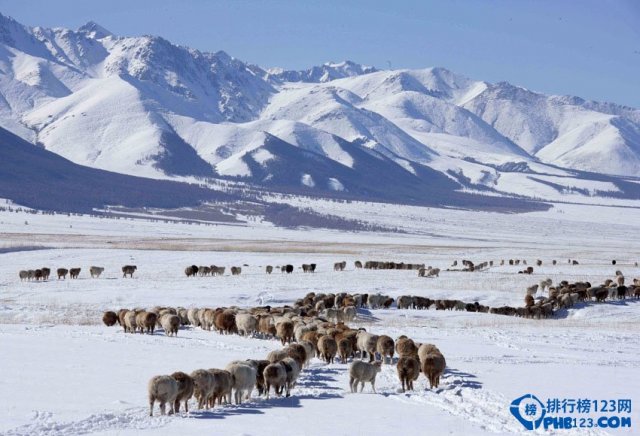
<point x="143" y="106"/>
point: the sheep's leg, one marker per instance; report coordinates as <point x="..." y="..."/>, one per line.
<point x="373" y="385"/>
<point x="163" y="408"/>
<point x="176" y="406"/>
<point x="151" y="403"/>
<point x="361" y="386"/>
<point x="186" y="406"/>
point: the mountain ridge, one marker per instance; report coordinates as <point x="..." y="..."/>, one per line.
<point x="144" y="106"/>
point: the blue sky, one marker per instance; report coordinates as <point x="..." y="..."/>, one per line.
<point x="583" y="47"/>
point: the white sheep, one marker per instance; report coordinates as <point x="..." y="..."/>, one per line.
<point x="433" y="272"/>
<point x="293" y="370"/>
<point x="361" y="372"/>
<point x="170" y="324"/>
<point x="246" y="323"/>
<point x="349" y="313"/>
<point x="192" y="315"/>
<point x="244" y="376"/>
<point x="277" y="355"/>
<point x="164" y="389"/>
<point x="203" y="386"/>
<point x="366" y="343"/>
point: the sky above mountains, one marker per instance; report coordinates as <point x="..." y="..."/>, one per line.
<point x="588" y="48"/>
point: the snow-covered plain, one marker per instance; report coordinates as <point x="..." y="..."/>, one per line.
<point x="66" y="373"/>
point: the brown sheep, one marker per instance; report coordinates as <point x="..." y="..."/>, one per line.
<point x="185" y="390"/>
<point x="408" y="371"/>
<point x="260" y="383"/>
<point x="433" y="365"/>
<point x="225" y="322"/>
<point x="146" y="321"/>
<point x="109" y="318"/>
<point x="345" y="349"/>
<point x="269" y="269"/>
<point x="384" y="347"/>
<point x="191" y="271"/>
<point x="406" y="347"/>
<point x="46" y="272"/>
<point x="128" y="269"/>
<point x="298" y="353"/>
<point x="62" y="273"/>
<point x="529" y="301"/>
<point x="284" y="331"/>
<point x="222" y="385"/>
<point x="328" y="348"/>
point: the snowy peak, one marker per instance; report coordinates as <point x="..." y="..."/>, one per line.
<point x="94" y="30"/>
<point x="324" y="73"/>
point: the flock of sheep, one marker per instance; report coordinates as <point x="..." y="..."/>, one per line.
<point x="74" y="273"/>
<point x="302" y="330"/>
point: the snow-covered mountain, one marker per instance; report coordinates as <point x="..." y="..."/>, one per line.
<point x="144" y="106"/>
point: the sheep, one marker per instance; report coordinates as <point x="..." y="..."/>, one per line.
<point x="109" y="318"/>
<point x="620" y="280"/>
<point x="361" y="372"/>
<point x="277" y="355"/>
<point x="62" y="273"/>
<point x="298" y="353"/>
<point x="275" y="375"/>
<point x="366" y="343"/>
<point x="433" y="272"/>
<point x="244" y="379"/>
<point x="405" y="302"/>
<point x="433" y="365"/>
<point x="269" y="269"/>
<point x="349" y="313"/>
<point x="203" y="386"/>
<point x="528" y="301"/>
<point x="384" y="347"/>
<point x="222" y="385"/>
<point x="225" y="321"/>
<point x="146" y="321"/>
<point x="192" y="315"/>
<point x="310" y="350"/>
<point x="408" y="368"/>
<point x="185" y="390"/>
<point x="170" y="324"/>
<point x="532" y="290"/>
<point x="164" y="389"/>
<point x="128" y="269"/>
<point x="301" y="329"/>
<point x="191" y="271"/>
<point x="293" y="370"/>
<point x="130" y="321"/>
<point x="358" y="264"/>
<point x="345" y="349"/>
<point x="284" y="331"/>
<point x="246" y="324"/>
<point x="425" y="349"/>
<point x="339" y="266"/>
<point x="96" y="271"/>
<point x="236" y="270"/>
<point x="406" y="347"/>
<point x="24" y="275"/>
<point x="328" y="348"/>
